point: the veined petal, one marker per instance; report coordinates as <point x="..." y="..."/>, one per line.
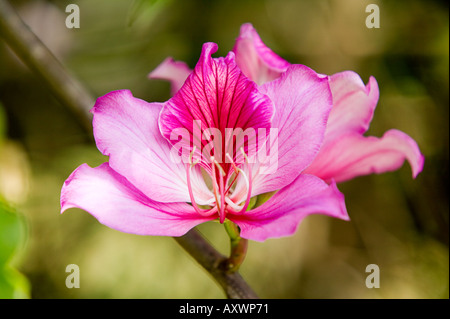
<point x="302" y="100"/>
<point x="255" y="59"/>
<point x="281" y="215"/>
<point x="116" y="203"/>
<point x="353" y="104"/>
<point x="126" y="129"/>
<point x="355" y="155"/>
<point x="176" y="72"/>
<point x="217" y="95"/>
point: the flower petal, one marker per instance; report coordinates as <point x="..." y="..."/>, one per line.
<point x="353" y="104"/>
<point x="255" y="59"/>
<point x="218" y="95"/>
<point x="126" y="129"/>
<point x="302" y="100"/>
<point x="281" y="215"/>
<point x="176" y="72"/>
<point x="116" y="203"/>
<point x="355" y="155"/>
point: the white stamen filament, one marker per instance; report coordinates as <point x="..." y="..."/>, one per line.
<point x="219" y="188"/>
<point x="202" y="212"/>
<point x="248" y="182"/>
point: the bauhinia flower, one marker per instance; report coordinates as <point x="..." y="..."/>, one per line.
<point x="143" y="190"/>
<point x="247" y="138"/>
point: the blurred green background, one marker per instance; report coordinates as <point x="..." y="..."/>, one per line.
<point x="398" y="223"/>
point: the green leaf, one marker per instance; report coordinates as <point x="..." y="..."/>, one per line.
<point x="12" y="232"/>
<point x="13" y="284"/>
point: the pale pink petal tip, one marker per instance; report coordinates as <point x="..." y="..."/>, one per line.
<point x="355" y="155"/>
<point x="353" y="104"/>
<point x="265" y="53"/>
<point x="411" y="152"/>
<point x="256" y="60"/>
<point x="176" y="72"/>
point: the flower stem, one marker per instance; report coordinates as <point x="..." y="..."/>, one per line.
<point x="211" y="260"/>
<point x="238" y="247"/>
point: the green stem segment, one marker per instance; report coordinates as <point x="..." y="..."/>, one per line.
<point x="238" y="247"/>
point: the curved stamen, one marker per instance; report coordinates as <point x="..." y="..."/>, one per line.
<point x="232" y="204"/>
<point x="248" y="182"/>
<point x="236" y="172"/>
<point x="214" y="181"/>
<point x="191" y="155"/>
<point x="227" y="155"/>
<point x="202" y="212"/>
<point x="221" y="190"/>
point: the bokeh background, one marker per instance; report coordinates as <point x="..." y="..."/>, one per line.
<point x="398" y="223"/>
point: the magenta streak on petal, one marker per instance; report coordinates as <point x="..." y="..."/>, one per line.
<point x="219" y="96"/>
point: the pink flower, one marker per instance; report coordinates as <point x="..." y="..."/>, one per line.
<point x="345" y="152"/>
<point x="144" y="190"/>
